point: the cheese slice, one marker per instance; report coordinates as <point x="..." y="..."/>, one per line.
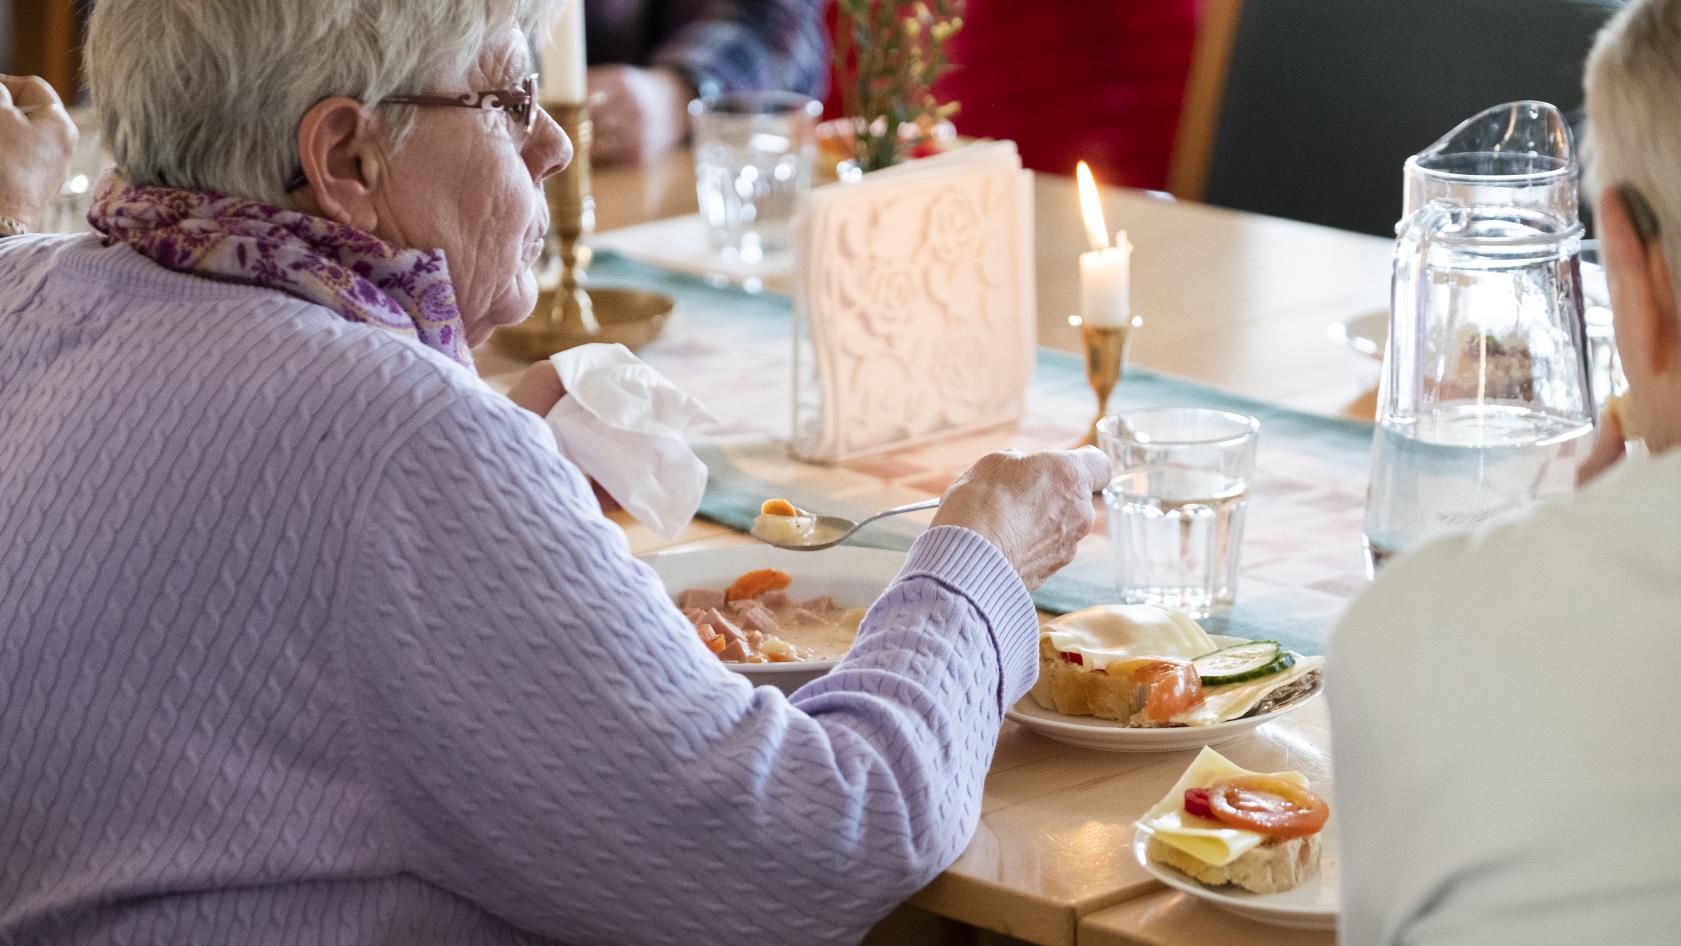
<point x="1119" y="634"/>
<point x="1236" y="699"/>
<point x="1206" y="840"/>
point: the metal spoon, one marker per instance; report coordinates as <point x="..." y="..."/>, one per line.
<point x="830" y="531"/>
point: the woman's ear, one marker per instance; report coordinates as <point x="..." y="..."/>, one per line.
<point x="340" y="151"/>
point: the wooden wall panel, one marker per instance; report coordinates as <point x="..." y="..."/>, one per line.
<point x="47" y="41"/>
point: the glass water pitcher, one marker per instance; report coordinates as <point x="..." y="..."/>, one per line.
<point x="1484" y="405"/>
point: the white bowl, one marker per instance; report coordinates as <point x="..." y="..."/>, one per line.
<point x="854" y="577"/>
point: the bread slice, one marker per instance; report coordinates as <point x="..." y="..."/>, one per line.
<point x="1073" y="690"/>
<point x="1274" y="867"/>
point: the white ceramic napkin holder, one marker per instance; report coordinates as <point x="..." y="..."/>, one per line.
<point x="914" y="304"/>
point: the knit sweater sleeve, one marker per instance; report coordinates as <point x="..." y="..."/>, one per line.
<point x="556" y="745"/>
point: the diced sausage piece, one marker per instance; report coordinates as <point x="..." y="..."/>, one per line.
<point x="700" y="598"/>
<point x="802" y="616"/>
<point x="695" y="615"/>
<point x="774" y="599"/>
<point x="723" y="625"/>
<point x="760" y="619"/>
<point x="707" y="632"/>
<point x="819" y="604"/>
<point x="734" y="650"/>
<point x="743" y="604"/>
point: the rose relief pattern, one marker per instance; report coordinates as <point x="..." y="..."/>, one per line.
<point x="916" y="304"/>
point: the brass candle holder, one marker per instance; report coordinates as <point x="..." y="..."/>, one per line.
<point x="1106" y="355"/>
<point x="567" y="314"/>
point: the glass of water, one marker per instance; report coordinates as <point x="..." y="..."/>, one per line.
<point x="1177" y="502"/>
<point x="753" y="158"/>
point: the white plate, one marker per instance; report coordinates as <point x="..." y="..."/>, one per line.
<point x="1089" y="732"/>
<point x="854" y="577"/>
<point x="1312" y="906"/>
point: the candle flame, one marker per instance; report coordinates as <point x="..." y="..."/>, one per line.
<point x="1091" y="210"/>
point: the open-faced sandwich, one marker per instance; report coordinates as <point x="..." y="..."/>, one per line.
<point x="1148" y="667"/>
<point x="1223" y="824"/>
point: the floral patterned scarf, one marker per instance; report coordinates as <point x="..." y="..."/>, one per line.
<point x="357" y="275"/>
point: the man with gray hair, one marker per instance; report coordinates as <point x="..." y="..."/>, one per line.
<point x="1507" y="766"/>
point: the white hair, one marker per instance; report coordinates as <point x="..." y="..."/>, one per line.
<point x="1634" y="134"/>
<point x="207" y="94"/>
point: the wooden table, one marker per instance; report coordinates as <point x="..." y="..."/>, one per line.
<point x="1177" y="919"/>
<point x="1236" y="300"/>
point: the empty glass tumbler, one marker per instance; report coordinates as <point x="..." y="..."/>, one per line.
<point x="1177" y="502"/>
<point x="1484" y="404"/>
<point x="753" y="158"/>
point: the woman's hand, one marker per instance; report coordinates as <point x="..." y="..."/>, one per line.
<point x="35" y="147"/>
<point x="538" y="390"/>
<point x="1034" y="507"/>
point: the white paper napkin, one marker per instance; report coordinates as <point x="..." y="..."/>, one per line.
<point x="625" y="426"/>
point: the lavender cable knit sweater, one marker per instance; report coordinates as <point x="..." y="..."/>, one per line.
<point x="306" y="636"/>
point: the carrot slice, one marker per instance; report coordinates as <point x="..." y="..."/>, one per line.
<point x="778" y="507"/>
<point x="756" y="583"/>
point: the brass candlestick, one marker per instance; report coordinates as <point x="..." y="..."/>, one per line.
<point x="567" y="314"/>
<point x="1106" y="354"/>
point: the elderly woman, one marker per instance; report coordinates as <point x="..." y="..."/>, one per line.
<point x="310" y="637"/>
<point x="1507" y="761"/>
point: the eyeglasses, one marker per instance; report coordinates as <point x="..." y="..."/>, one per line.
<point x="520" y="104"/>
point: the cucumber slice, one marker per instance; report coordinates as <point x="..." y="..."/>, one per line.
<point x="1243" y="662"/>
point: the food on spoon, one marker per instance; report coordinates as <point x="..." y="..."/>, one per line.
<point x="1153" y="667"/>
<point x="1223" y="824"/>
<point x="780" y="522"/>
<point x="755" y="620"/>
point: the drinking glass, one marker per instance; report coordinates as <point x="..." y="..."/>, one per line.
<point x="753" y="158"/>
<point x="1177" y="503"/>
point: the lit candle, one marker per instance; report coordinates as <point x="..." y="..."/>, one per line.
<point x="1106" y="271"/>
<point x="562" y="60"/>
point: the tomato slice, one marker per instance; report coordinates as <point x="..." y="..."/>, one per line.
<point x="1172" y="688"/>
<point x="1196" y="803"/>
<point x="1267" y="805"/>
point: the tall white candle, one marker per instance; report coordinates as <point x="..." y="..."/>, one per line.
<point x="1106" y="271"/>
<point x="562" y="61"/>
<point x="1106" y="284"/>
